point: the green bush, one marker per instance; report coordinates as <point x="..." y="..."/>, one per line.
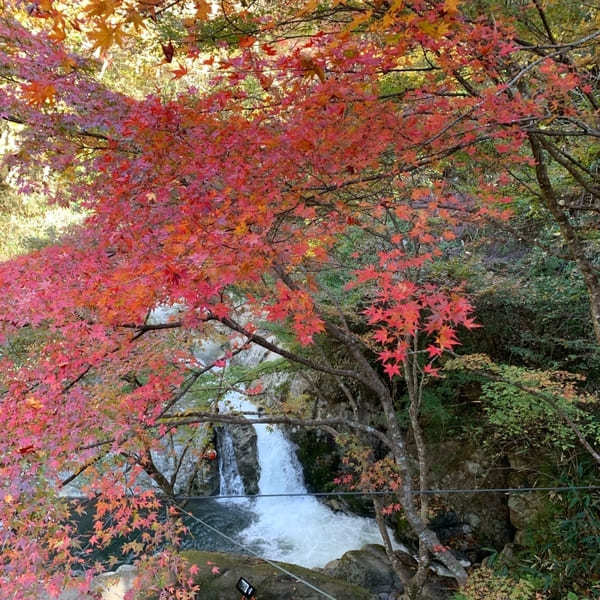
<point x="563" y="546"/>
<point x="485" y="584"/>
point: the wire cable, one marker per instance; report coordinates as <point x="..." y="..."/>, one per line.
<point x="250" y="551"/>
<point x="521" y="490"/>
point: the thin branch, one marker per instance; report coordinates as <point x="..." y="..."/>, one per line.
<point x="196" y="417"/>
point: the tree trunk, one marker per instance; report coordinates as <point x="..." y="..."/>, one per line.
<point x="568" y="233"/>
<point x="427" y="538"/>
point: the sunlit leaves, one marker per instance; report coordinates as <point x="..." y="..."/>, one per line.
<point x="299" y="189"/>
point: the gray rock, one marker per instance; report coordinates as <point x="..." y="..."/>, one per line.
<point x="472" y="519"/>
<point x="463" y="465"/>
<point x="206" y="482"/>
<point x="244" y="442"/>
<point x="220" y="584"/>
<point x="524" y="509"/>
<point x="270" y="583"/>
<point x="369" y="568"/>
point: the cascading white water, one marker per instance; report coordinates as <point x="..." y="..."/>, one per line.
<point x="300" y="530"/>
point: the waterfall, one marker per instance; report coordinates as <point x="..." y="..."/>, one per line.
<point x="230" y="481"/>
<point x="299" y="530"/>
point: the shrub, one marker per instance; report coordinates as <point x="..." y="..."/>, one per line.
<point x="485" y="584"/>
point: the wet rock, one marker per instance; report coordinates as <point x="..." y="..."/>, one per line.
<point x="218" y="574"/>
<point x="111" y="585"/>
<point x="244" y="442"/>
<point x="206" y="482"/>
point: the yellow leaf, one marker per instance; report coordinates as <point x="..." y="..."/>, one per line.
<point x="435" y="30"/>
<point x="451" y="6"/>
<point x="358" y="20"/>
<point x="309" y="7"/>
<point x="100" y="8"/>
<point x="203" y="9"/>
<point x="33" y="403"/>
<point x="241" y="229"/>
<point x="104" y="36"/>
<point x="69" y="65"/>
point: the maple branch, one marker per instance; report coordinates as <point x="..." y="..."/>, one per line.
<point x="566" y="164"/>
<point x="264" y="343"/>
<point x="540" y="60"/>
<point x="77" y="379"/>
<point x="82" y="469"/>
<point x="195" y="417"/>
<point x="83" y="132"/>
<point x="564" y="132"/>
<point x="162" y="9"/>
<point x="185" y="388"/>
<point x="566" y="45"/>
<point x="544" y="20"/>
<point x="503" y="226"/>
<point x="147" y="463"/>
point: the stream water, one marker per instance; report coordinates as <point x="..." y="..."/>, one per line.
<point x="293" y="529"/>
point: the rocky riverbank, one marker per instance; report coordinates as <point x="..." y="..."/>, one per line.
<point x="364" y="574"/>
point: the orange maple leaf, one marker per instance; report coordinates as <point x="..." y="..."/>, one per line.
<point x="38" y="93"/>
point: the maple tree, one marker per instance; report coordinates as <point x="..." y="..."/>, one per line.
<point x="315" y="169"/>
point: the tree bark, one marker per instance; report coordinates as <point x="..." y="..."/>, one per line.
<point x="568" y="232"/>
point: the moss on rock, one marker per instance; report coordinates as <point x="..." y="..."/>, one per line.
<point x="270" y="583"/>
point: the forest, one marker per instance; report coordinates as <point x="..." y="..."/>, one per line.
<point x="370" y="224"/>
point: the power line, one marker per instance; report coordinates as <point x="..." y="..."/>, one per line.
<point x="511" y="490"/>
<point x="250" y="551"/>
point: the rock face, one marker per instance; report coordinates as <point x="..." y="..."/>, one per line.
<point x="364" y="574"/>
<point x="270" y="583"/>
<point x="459" y="465"/>
<point x="525" y="508"/>
<point x="369" y="568"/>
<point x="244" y="443"/>
<point x="206" y="478"/>
<point x="206" y="482"/>
<point x="112" y="585"/>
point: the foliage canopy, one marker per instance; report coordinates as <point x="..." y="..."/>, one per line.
<point x="300" y="163"/>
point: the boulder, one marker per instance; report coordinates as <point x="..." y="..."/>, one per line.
<point x="269" y="582"/>
<point x="111" y="585"/>
<point x="524" y="508"/>
<point x="369" y="568"/>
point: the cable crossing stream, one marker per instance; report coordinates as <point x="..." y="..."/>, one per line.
<point x="301" y="580"/>
<point x="252" y="552"/>
<point x="509" y="490"/>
